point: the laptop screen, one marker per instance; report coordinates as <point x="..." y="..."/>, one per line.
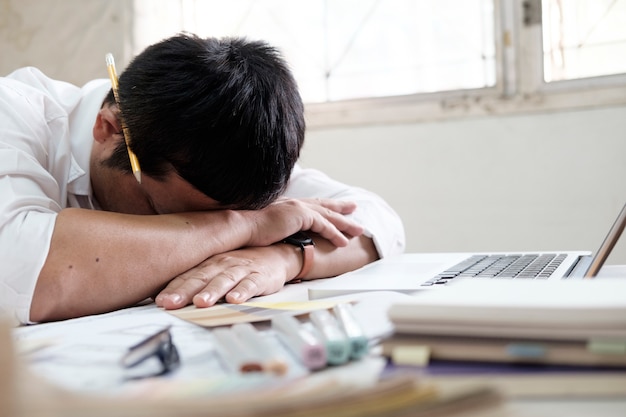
<point x="607" y="246"/>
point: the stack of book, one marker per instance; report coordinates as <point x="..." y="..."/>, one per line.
<point x="534" y="337"/>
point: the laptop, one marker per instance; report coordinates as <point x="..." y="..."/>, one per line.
<point x="411" y="272"/>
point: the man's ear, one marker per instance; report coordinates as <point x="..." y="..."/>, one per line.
<point x="107" y="126"/>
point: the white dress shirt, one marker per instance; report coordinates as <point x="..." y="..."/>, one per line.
<point x="45" y="144"/>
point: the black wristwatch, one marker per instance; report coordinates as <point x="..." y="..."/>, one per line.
<point x="305" y="244"/>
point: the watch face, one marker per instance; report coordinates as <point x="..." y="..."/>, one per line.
<point x="299" y="239"/>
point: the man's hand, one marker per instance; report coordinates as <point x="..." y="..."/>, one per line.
<point x="284" y="217"/>
<point x="262" y="268"/>
<point x="237" y="275"/>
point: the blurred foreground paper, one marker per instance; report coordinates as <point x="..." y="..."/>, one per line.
<point x="23" y="394"/>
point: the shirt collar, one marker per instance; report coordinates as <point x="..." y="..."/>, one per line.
<point x="81" y="122"/>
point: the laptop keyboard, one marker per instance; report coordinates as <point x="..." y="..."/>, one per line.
<point x="528" y="266"/>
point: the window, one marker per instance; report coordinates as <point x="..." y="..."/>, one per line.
<point x="346" y="49"/>
<point x="361" y="61"/>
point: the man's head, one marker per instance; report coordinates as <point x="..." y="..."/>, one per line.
<point x="223" y="114"/>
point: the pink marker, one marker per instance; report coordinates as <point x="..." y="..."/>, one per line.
<point x="302" y="342"/>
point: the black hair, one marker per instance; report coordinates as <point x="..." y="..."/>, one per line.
<point x="224" y="114"/>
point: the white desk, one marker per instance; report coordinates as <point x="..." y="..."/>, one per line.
<point x="84" y="353"/>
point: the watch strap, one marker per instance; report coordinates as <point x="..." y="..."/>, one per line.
<point x="306" y="245"/>
<point x="308" y="255"/>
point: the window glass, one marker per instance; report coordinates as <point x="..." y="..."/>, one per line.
<point x="583" y="38"/>
<point x="347" y="49"/>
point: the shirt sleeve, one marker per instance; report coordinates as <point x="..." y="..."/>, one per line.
<point x="380" y="221"/>
<point x="30" y="198"/>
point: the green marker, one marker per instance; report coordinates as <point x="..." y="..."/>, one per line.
<point x="335" y="340"/>
<point x="358" y="340"/>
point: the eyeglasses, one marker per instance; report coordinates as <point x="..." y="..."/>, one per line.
<point x="134" y="162"/>
<point x="159" y="345"/>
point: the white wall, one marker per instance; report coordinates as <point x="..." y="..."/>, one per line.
<point x="459" y="185"/>
<point x="534" y="181"/>
<point x="67" y="39"/>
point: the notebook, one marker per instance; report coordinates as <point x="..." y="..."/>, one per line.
<point x="426" y="271"/>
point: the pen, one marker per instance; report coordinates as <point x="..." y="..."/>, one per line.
<point x="336" y="342"/>
<point x="252" y="339"/>
<point x="302" y="342"/>
<point x="358" y="340"/>
<point x="233" y="351"/>
<point x="134" y="162"/>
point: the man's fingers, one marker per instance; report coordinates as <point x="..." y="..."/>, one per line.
<point x="338" y="206"/>
<point x="235" y="285"/>
<point x="246" y="289"/>
<point x="180" y="291"/>
<point x="334" y="227"/>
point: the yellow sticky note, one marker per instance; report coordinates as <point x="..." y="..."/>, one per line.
<point x="411" y="355"/>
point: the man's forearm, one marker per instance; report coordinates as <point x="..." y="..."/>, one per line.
<point x="101" y="261"/>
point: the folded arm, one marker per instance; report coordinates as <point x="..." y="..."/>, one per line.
<point x="242" y="274"/>
<point x="239" y="275"/>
